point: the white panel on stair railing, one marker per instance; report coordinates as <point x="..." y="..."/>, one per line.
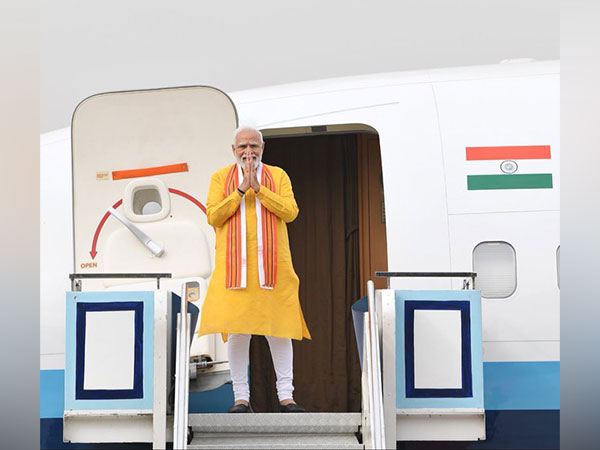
<point x="109" y="350"/>
<point x="437" y="341"/>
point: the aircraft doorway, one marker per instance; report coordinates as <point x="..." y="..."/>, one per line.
<point x="337" y="242"/>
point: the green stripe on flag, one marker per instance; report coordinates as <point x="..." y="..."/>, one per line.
<point x="510" y="181"/>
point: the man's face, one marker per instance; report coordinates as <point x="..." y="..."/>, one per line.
<point x="247" y="146"/>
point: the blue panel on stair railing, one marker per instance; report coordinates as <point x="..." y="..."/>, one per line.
<point x="94" y="319"/>
<point x="456" y="340"/>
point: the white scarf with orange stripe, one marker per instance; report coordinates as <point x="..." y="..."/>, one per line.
<point x="266" y="234"/>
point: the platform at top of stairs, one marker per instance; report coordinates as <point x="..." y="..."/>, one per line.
<point x="276" y="430"/>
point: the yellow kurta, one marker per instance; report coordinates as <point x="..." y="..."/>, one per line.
<point x="252" y="310"/>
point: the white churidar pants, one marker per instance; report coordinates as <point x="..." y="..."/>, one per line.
<point x="238" y="352"/>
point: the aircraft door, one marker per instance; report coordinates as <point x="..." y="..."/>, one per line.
<point x="142" y="162"/>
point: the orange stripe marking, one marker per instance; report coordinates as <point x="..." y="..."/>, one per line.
<point x="149" y="171"/>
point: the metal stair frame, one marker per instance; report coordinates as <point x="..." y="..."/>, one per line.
<point x="373" y="420"/>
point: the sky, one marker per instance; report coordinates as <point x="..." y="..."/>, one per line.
<point x="93" y="47"/>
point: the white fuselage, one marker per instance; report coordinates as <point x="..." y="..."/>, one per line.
<point x="425" y="120"/>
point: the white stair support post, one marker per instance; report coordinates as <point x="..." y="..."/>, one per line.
<point x="181" y="376"/>
<point x="186" y="367"/>
<point x="376" y="392"/>
<point x="159" y="408"/>
<point x="177" y="403"/>
<point x="368" y="424"/>
<point x="388" y="347"/>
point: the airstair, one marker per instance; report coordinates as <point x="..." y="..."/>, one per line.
<point x="282" y="430"/>
<point x="396" y="331"/>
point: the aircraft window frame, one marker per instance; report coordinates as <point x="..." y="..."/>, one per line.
<point x="514" y="270"/>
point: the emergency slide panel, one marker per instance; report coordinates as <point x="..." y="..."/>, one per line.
<point x="109" y="354"/>
<point x="439" y="367"/>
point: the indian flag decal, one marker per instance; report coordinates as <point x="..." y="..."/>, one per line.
<point x="503" y="175"/>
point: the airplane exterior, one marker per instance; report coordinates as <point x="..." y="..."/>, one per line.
<point x="470" y="157"/>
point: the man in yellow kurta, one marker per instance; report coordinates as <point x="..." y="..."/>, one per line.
<point x="253" y="289"/>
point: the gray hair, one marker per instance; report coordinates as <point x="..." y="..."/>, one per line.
<point x="241" y="128"/>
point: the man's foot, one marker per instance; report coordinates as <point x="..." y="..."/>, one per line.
<point x="240" y="408"/>
<point x="291" y="408"/>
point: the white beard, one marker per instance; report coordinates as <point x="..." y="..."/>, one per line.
<point x="242" y="161"/>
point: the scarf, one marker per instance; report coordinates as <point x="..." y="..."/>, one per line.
<point x="266" y="233"/>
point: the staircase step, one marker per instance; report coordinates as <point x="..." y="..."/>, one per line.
<point x="273" y="441"/>
<point x="297" y="423"/>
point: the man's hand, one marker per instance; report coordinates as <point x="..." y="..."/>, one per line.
<point x="245" y="184"/>
<point x="254" y="183"/>
<point x="250" y="177"/>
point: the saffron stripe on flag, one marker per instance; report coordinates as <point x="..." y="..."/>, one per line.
<point x="510" y="181"/>
<point x="508" y="152"/>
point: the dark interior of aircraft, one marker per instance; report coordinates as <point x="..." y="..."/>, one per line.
<point x="331" y="252"/>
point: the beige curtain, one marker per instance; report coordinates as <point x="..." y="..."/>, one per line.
<point x="324" y="246"/>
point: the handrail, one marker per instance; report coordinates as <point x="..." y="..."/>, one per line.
<point x="388" y="275"/>
<point x="182" y="377"/>
<point x="375" y="436"/>
<point x="77" y="277"/>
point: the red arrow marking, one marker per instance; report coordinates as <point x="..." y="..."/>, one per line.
<point x="93" y="253"/>
<point x="189" y="197"/>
